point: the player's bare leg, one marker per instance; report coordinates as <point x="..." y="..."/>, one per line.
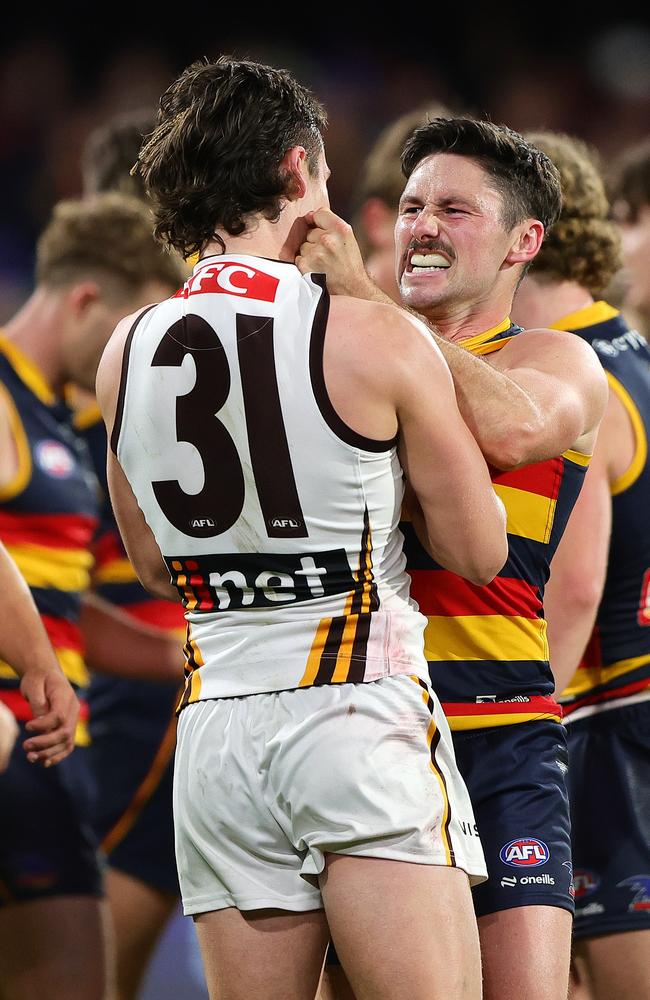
<point x="578" y="984"/>
<point x="57" y="949"/>
<point x="402" y="931"/>
<point x="334" y="985"/>
<point x="526" y="952"/>
<point x="139" y="915"/>
<point x="262" y="954"/>
<point x="617" y="965"/>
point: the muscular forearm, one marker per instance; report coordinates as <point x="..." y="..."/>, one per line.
<point x="123" y="647"/>
<point x="23" y="640"/>
<point x="500" y="414"/>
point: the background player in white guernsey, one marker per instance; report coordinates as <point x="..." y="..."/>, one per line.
<point x="255" y="429"/>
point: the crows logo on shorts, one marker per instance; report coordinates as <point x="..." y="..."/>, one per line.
<point x="525" y="852"/>
<point x="641" y="885"/>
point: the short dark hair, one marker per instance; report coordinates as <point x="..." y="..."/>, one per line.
<point x="110" y="152"/>
<point x="214" y="157"/>
<point x="584" y="245"/>
<point x="630" y="182"/>
<point x="525" y="178"/>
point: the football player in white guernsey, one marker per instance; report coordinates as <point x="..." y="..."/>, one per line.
<point x="258" y="434"/>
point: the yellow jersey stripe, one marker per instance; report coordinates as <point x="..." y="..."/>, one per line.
<point x="317" y="646"/>
<point x="586" y="678"/>
<point x="24" y="471"/>
<point x="26" y="370"/>
<point x="529" y="514"/>
<point x="56" y="569"/>
<point x="116" y="571"/>
<point x="638" y="462"/>
<point x="71" y="662"/>
<point x="485" y="637"/>
<point x="597" y="312"/>
<point x="457" y="722"/>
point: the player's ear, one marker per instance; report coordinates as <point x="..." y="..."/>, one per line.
<point x="82" y="295"/>
<point x="526" y="243"/>
<point x="293" y="168"/>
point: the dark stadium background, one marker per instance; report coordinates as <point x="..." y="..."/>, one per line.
<point x="66" y="69"/>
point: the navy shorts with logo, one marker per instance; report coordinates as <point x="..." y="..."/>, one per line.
<point x="133" y="731"/>
<point x="609" y="784"/>
<point x="47" y="844"/>
<point x="515" y="776"/>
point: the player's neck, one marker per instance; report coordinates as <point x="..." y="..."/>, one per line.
<point x="279" y="240"/>
<point x="463" y="320"/>
<point x="539" y="303"/>
<point x="36" y="331"/>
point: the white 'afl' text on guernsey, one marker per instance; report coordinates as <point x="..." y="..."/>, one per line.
<point x="278" y="523"/>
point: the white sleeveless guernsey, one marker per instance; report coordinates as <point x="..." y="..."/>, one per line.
<point x="277" y="522"/>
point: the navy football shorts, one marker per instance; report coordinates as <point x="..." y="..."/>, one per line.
<point x="47" y="845"/>
<point x="133" y="768"/>
<point x="609" y="784"/>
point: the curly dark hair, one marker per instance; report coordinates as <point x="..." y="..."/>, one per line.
<point x="584" y="245"/>
<point x="214" y="156"/>
<point x="523" y="175"/>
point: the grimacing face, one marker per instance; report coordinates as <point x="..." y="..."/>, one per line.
<point x="450" y="241"/>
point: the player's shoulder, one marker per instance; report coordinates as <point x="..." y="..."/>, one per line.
<point x="555" y="347"/>
<point x="389" y="325"/>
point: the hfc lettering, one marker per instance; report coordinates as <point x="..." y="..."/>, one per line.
<point x="229" y="278"/>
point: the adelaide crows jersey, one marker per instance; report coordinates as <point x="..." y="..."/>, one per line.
<point x="615" y="669"/>
<point x="48" y="514"/>
<point x="277" y="522"/>
<point x="486" y="646"/>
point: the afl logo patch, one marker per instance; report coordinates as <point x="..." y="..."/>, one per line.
<point x="54" y="459"/>
<point x="526" y="852"/>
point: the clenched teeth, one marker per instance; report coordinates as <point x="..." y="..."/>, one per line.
<point x="428" y="261"/>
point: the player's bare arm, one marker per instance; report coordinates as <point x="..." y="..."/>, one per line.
<point x="392" y="377"/>
<point x="138" y="539"/>
<point x="120" y="646"/>
<point x="50" y="695"/>
<point x="543" y="393"/>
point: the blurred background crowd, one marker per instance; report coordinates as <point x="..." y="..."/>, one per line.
<point x="63" y="74"/>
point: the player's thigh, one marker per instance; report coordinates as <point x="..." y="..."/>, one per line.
<point x="56" y="948"/>
<point x="139" y="913"/>
<point x="262" y="954"/>
<point x="401" y="929"/>
<point x="526" y="952"/>
<point x="617" y="965"/>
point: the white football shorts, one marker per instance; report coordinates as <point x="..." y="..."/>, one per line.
<point x="266" y="785"/>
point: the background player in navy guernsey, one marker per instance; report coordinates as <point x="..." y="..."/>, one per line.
<point x="598" y="601"/>
<point x="472" y="217"/>
<point x="96" y="260"/>
<point x="133" y="723"/>
<point x="256" y="438"/>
